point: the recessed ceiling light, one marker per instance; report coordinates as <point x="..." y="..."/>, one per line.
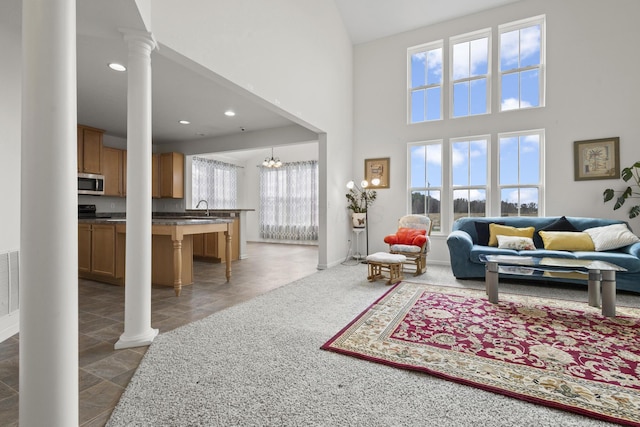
<point x="229" y="113"/>
<point x="185" y="122"/>
<point x="117" y="67"/>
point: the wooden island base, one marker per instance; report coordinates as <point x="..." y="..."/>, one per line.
<point x="102" y="246"/>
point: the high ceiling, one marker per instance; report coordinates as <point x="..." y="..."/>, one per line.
<point x="368" y="20"/>
<point x="182" y="92"/>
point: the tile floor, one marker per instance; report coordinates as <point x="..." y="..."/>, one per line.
<point x="105" y="372"/>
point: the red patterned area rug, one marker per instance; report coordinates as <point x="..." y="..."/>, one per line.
<point x="557" y="353"/>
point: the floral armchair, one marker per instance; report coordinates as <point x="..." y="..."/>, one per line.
<point x="412" y="240"/>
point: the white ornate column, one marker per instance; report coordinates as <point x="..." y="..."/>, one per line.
<point x="137" y="306"/>
<point x="48" y="242"/>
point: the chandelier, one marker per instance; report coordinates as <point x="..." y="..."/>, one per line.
<point x="272" y="162"/>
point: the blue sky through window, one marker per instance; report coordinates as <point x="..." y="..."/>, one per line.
<point x="519" y="50"/>
<point x="520" y="80"/>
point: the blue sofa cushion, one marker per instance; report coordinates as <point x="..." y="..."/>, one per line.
<point x="561" y="224"/>
<point x="482" y="231"/>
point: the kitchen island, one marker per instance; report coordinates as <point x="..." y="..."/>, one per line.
<point x="102" y="245"/>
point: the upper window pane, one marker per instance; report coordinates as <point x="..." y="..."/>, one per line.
<point x="434" y="66"/>
<point x="509" y="161"/>
<point x="461" y="61"/>
<point x="530" y="46"/>
<point x="418" y="69"/>
<point x="418" y="166"/>
<point x="470" y="74"/>
<point x="509" y="50"/>
<point x="425" y="172"/>
<point x="520" y="177"/>
<point x="426" y="166"/>
<point x="469" y="163"/>
<point x="479" y="57"/>
<point x="425" y="83"/>
<point x="521" y="64"/>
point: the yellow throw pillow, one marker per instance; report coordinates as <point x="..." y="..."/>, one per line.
<point x="505" y="230"/>
<point x="567" y="241"/>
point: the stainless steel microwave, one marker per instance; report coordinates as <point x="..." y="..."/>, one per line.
<point x="89" y="183"/>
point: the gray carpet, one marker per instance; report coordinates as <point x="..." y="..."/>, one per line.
<point x="259" y="364"/>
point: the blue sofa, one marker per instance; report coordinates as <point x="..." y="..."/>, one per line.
<point x="465" y="251"/>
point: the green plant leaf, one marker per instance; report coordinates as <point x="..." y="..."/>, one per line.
<point x="631" y="173"/>
<point x="608" y="194"/>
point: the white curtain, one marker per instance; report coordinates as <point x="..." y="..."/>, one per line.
<point x="289" y="202"/>
<point x="214" y="181"/>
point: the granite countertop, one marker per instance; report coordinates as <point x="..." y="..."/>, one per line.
<point x="160" y="221"/>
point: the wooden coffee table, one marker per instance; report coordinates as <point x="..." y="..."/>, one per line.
<point x="597" y="274"/>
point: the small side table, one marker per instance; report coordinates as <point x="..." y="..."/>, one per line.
<point x="357" y="255"/>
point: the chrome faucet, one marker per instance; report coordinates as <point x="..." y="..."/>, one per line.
<point x="206" y="203"/>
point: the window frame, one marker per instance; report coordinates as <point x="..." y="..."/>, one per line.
<point x="440" y="188"/>
<point x="519" y="25"/>
<point x="486" y="187"/>
<point x="464" y="38"/>
<point x="426" y="47"/>
<point x="541" y="170"/>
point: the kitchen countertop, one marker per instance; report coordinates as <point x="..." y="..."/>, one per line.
<point x="160" y="221"/>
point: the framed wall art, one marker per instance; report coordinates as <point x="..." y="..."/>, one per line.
<point x="377" y="168"/>
<point x="597" y="159"/>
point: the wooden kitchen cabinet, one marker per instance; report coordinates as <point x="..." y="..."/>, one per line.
<point x="171" y="175"/>
<point x="210" y="246"/>
<point x="89" y="150"/>
<point x="198" y="245"/>
<point x="155" y="176"/>
<point x="84" y="248"/>
<point x="115" y="172"/>
<point x="96" y="250"/>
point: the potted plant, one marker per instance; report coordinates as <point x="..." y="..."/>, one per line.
<point x="632" y="172"/>
<point x="359" y="199"/>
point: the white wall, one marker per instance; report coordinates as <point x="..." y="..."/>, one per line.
<point x="10" y="134"/>
<point x="591" y="93"/>
<point x="10" y="146"/>
<point x="292" y="53"/>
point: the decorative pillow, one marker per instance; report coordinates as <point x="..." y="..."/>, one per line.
<point x="612" y="236"/>
<point x="566" y="240"/>
<point x="515" y="242"/>
<point x="482" y="230"/>
<point x="407" y="236"/>
<point x="561" y="224"/>
<point x="505" y="230"/>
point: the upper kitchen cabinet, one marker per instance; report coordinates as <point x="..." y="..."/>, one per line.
<point x="155" y="176"/>
<point x="114" y="169"/>
<point x="89" y="150"/>
<point x="171" y="175"/>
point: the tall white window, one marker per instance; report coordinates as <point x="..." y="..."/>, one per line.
<point x="469" y="175"/>
<point x="425" y="82"/>
<point x="522" y="60"/>
<point x="470" y="73"/>
<point x="214" y="181"/>
<point x="425" y="187"/>
<point x="289" y="202"/>
<point x="521" y="172"/>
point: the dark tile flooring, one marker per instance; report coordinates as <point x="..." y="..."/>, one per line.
<point x="105" y="372"/>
